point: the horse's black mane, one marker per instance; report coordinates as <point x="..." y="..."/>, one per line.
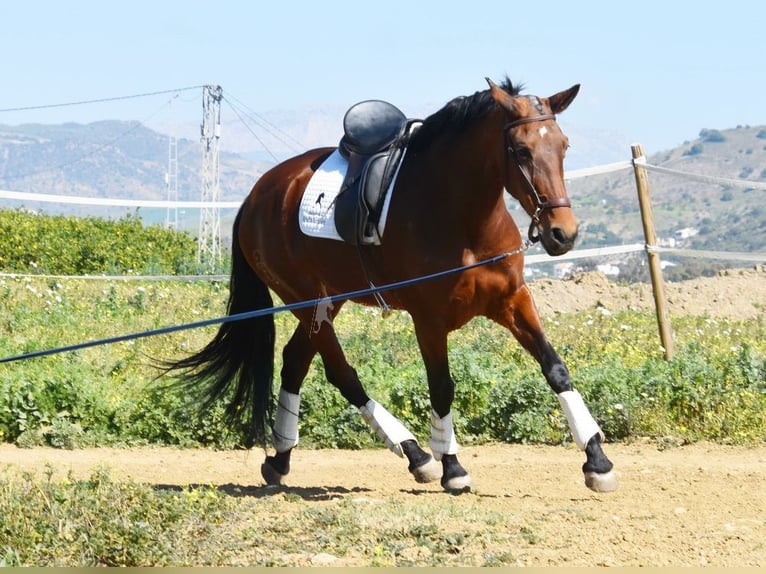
<point x="458" y="113"/>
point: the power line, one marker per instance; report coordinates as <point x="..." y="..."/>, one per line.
<point x="132" y="127"/>
<point x="99" y="101"/>
<point x="270" y="127"/>
<point x="244" y="123"/>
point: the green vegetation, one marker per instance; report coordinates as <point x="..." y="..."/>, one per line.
<point x="100" y="521"/>
<point x="714" y="389"/>
<point x="695" y="149"/>
<point x="61" y="245"/>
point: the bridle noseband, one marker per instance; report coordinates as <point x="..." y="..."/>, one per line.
<point x="540" y="205"/>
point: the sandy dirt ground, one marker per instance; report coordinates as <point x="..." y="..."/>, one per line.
<point x="694" y="505"/>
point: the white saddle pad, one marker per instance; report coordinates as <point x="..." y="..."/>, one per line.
<point x="316" y="213"/>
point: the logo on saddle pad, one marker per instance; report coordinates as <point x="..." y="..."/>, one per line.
<point x="322" y="314"/>
<point x="347" y="198"/>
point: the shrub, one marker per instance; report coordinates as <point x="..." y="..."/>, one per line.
<point x="69" y="245"/>
<point x="695" y="149"/>
<point x="712" y="136"/>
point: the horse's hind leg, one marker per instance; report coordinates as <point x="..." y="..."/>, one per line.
<point x="433" y="347"/>
<point x="388" y="428"/>
<point x="523" y="321"/>
<point x="296" y="360"/>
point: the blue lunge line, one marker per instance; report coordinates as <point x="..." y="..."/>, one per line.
<point x="260" y="312"/>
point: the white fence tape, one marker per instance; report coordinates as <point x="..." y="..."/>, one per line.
<point x="529" y="260"/>
<point x="163" y="204"/>
<point x="117" y="277"/>
<point x="73" y="199"/>
<point x="597" y="170"/>
<point x="702" y="254"/>
<point x="744" y="183"/>
<point x="582" y="253"/>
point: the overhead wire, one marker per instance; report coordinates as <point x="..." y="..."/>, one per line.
<point x="248" y="116"/>
<point x="252" y="132"/>
<point x="244" y="113"/>
<point x="98" y="101"/>
<point x="274" y="130"/>
<point x="132" y="128"/>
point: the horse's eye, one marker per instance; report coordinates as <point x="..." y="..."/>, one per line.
<point x="524" y="154"/>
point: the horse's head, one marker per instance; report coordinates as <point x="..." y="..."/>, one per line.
<point x="534" y="164"/>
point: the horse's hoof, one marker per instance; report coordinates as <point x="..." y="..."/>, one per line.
<point x="428" y="471"/>
<point x="457" y="484"/>
<point x="601" y="482"/>
<point x="271" y="475"/>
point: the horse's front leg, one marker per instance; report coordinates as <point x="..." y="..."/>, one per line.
<point x="521" y="318"/>
<point x="433" y="347"/>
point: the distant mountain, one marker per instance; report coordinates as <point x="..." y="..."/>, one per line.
<point x="113" y="159"/>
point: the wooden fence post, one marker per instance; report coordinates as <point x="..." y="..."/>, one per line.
<point x="653" y="257"/>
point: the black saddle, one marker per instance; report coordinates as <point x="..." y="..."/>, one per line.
<point x="375" y="136"/>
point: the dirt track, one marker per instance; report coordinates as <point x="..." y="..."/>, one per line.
<point x="694" y="505"/>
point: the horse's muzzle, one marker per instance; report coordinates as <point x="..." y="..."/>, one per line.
<point x="557" y="240"/>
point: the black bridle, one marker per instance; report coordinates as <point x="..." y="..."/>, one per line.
<point x="540" y="205"/>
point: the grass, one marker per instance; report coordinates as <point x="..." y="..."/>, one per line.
<point x="103" y="522"/>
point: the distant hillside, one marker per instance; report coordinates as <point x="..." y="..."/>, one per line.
<point x="113" y="159"/>
<point x="727" y="218"/>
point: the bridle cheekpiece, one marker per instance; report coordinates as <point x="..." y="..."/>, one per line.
<point x="540" y="205"/>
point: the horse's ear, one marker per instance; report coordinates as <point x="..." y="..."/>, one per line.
<point x="501" y="96"/>
<point x="559" y="102"/>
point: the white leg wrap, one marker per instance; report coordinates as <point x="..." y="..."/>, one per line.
<point x="580" y="420"/>
<point x="285" y="431"/>
<point x="443" y="439"/>
<point x="390" y="429"/>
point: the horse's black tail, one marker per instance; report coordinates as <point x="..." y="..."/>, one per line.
<point x="238" y="364"/>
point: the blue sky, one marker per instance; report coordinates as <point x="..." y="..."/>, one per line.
<point x="651" y="72"/>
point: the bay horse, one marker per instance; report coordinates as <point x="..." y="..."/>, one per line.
<point x="447" y="211"/>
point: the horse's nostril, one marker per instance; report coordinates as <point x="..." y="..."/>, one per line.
<point x="560" y="236"/>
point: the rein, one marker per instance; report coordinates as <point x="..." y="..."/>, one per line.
<point x="540" y="205"/>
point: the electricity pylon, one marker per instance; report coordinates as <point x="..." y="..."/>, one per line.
<point x="209" y="240"/>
